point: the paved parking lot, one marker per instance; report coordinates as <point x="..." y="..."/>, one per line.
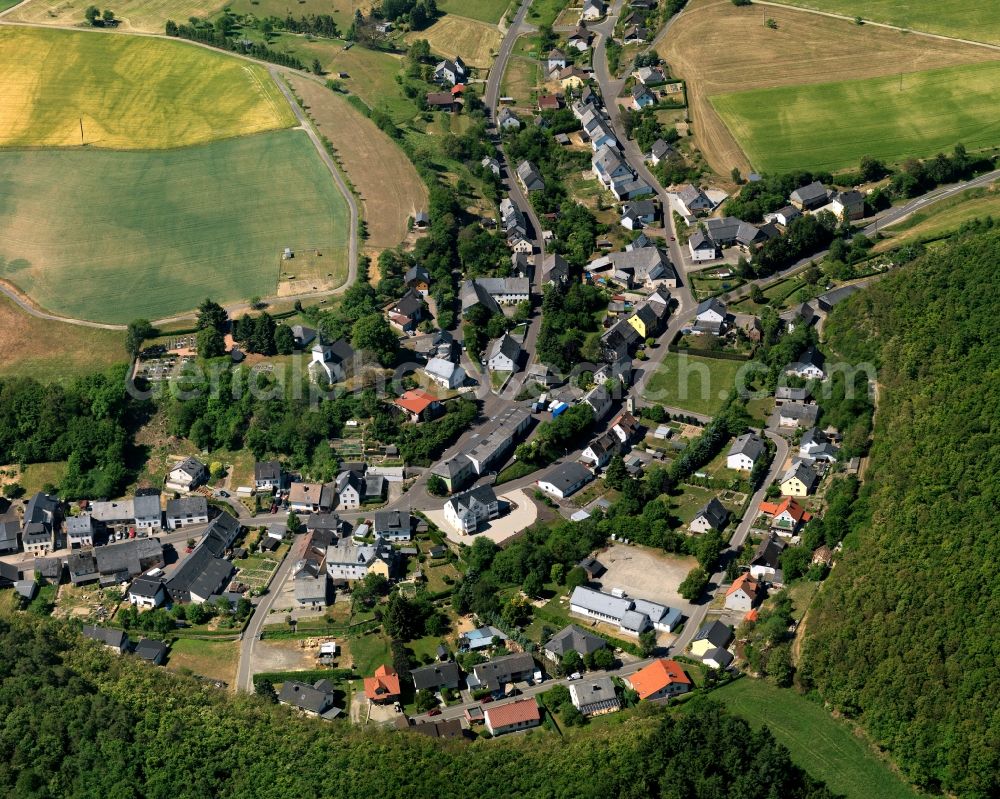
<point x="522" y="514"/>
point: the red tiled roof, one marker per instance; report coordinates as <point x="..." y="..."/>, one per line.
<point x="747" y="583"/>
<point x="416" y="400"/>
<point x="458" y="88"/>
<point x="795" y="510"/>
<point x="521" y="711"/>
<point x="752" y="615"/>
<point x="384" y="685"/>
<point x="657" y="676"/>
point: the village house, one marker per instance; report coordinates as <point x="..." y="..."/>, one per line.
<point x="529" y="177"/>
<point x="186" y="475"/>
<point x="152" y="651"/>
<point x="595" y="696"/>
<point x="467" y="510"/>
<point x="642" y="97"/>
<point x="580" y="38"/>
<point x="312" y="700"/>
<point x="809" y="366"/>
<point x="659" y="681"/>
<point x="787" y="516"/>
<point x="797" y="414"/>
<point x="418" y="405"/>
<point x="555" y="61"/>
<point x="504" y="354"/>
<point x="518" y="715"/>
<point x="383" y="686"/>
<point x="312" y="497"/>
<point x="807" y="198"/>
<point x="660" y="151"/>
<point x="744" y="594"/>
<point x="496" y="674"/>
<point x="393" y="525"/>
<point x="490" y="164"/>
<point x="436" y="676"/>
<point x="713" y="515"/>
<point x="508" y="120"/>
<point x="119" y="563"/>
<point x="445" y="373"/>
<point x="115" y="640"/>
<point x="600" y="450"/>
<point x="572" y="639"/>
<point x="79" y="531"/>
<point x="593" y="10"/>
<point x="407" y="312"/>
<point x="693" y="201"/>
<point x="147" y="593"/>
<point x="450" y="71"/>
<point x="186" y="511"/>
<point x="799" y="480"/>
<point x="348" y="562"/>
<point x="766" y="561"/>
<point x="816" y="445"/>
<point x="712" y="636"/>
<point x="745" y="452"/>
<point x="267" y="476"/>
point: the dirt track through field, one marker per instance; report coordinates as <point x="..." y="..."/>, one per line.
<point x="719" y="48"/>
<point x="389" y="186"/>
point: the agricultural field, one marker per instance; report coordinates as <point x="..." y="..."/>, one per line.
<point x="55" y="78"/>
<point x="826" y="747"/>
<point x="692" y="383"/>
<point x="942" y="218"/>
<point x="341" y="10"/>
<point x="148" y="16"/>
<point x="831" y="126"/>
<point x="390" y="188"/>
<point x="450" y="36"/>
<point x="976" y="21"/>
<point x="805" y="49"/>
<point x="53" y="352"/>
<point x="484" y="10"/>
<point x="153" y="233"/>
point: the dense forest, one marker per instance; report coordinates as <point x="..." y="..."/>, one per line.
<point x="76" y="721"/>
<point x="904" y="635"/>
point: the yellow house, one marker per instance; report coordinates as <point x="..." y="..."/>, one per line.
<point x="798" y="481"/>
<point x="646" y="321"/>
<point x="572" y="77"/>
<point x="379" y="567"/>
<point x="712" y="635"/>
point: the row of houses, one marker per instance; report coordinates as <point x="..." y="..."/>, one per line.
<point x="484" y="451"/>
<point x="631" y="616"/>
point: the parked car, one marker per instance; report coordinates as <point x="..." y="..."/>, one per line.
<point x="223" y="494"/>
<point x="435" y="712"/>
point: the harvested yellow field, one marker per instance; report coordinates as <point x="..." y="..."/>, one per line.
<point x="806" y="48"/>
<point x="390" y="188"/>
<point x="130" y="92"/>
<point x="476" y="42"/>
<point x="139" y="15"/>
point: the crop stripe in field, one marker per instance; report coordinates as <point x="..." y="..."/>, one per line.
<point x="262" y="89"/>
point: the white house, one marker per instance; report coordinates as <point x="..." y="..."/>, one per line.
<point x="600" y="450"/>
<point x="710" y="316"/>
<point x="766" y="561"/>
<point x="593" y="9"/>
<point x="186" y="511"/>
<point x="330" y="361"/>
<point x="350" y="490"/>
<point x="492" y="165"/>
<point x="556" y="61"/>
<point x="445" y="373"/>
<point x="80" y="531"/>
<point x="465" y="511"/>
<point x="744" y="593"/>
<point x="745" y="452"/>
<point x="187" y="475"/>
<point x="450" y="72"/>
<point x="809" y="365"/>
<point x="599" y="400"/>
<point x="693" y="200"/>
<point x="565" y="480"/>
<point x="507" y="119"/>
<point x="147" y="593"/>
<point x="711" y="516"/>
<point x="504" y="354"/>
<point x="267" y="475"/>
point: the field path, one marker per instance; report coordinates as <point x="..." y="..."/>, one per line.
<point x="30" y="308"/>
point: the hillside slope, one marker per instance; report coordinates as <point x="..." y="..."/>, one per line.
<point x="905" y="633"/>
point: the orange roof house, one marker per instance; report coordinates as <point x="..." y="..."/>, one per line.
<point x="517" y="715"/>
<point x="416" y="402"/>
<point x="661" y="679"/>
<point x="457" y="89"/>
<point x="786" y="514"/>
<point x="753" y="615"/>
<point x="744" y="593"/>
<point x="384" y="686"/>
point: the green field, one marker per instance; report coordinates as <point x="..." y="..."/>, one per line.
<point x="819" y="743"/>
<point x="978" y="20"/>
<point x="692" y="383"/>
<point x="150" y="234"/>
<point x="483" y="10"/>
<point x="829" y="126"/>
<point x="130" y="92"/>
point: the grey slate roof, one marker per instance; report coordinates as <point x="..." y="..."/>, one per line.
<point x="187" y="506"/>
<point x="129" y="558"/>
<point x="565" y="475"/>
<point x="768" y="552"/>
<point x="435" y="675"/>
<point x="150" y="649"/>
<point x="715" y="513"/>
<point x="576" y="639"/>
<point x="267" y="470"/>
<point x="716" y="633"/>
<point x="810" y="194"/>
<point x="105" y="635"/>
<point x="494" y="674"/>
<point x="505" y="345"/>
<point x="749" y="444"/>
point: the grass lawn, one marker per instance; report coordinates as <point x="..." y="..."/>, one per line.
<point x="687" y="504"/>
<point x="141" y="15"/>
<point x="35" y="476"/>
<point x="450" y="36"/>
<point x="483" y="10"/>
<point x="53" y="78"/>
<point x="760" y="409"/>
<point x="515" y="471"/>
<point x="213" y="659"/>
<point x="544" y="12"/>
<point x="368" y="652"/>
<point x="149" y="234"/>
<point x="53" y="352"/>
<point x="975" y="21"/>
<point x="520" y="81"/>
<point x="692" y="383"/>
<point x="942" y="218"/>
<point x="435" y="576"/>
<point x="831" y="125"/>
<point x="827" y="748"/>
